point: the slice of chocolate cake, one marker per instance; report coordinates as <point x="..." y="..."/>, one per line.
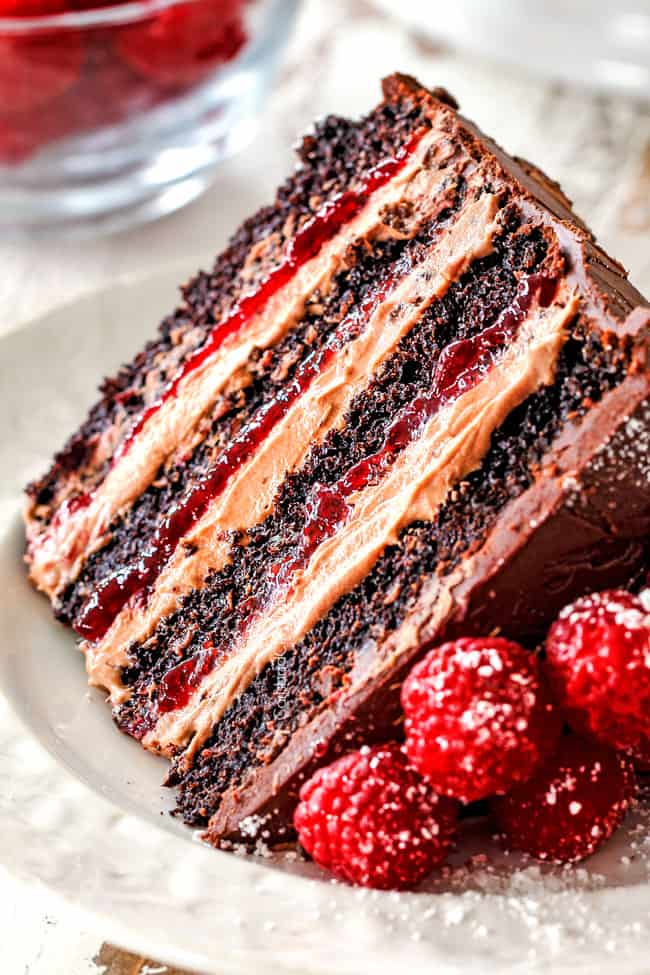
<point x="410" y="399"/>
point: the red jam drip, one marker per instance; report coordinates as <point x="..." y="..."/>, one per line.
<point x="112" y="594"/>
<point x="460" y="367"/>
<point x="306" y="244"/>
<point x="179" y="683"/>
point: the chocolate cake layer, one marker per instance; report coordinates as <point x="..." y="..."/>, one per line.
<point x="293" y="689"/>
<point x="222" y="605"/>
<point x="267" y="373"/>
<point x="412" y="412"/>
<point x="334" y="158"/>
<point x="518" y="577"/>
<point x="248" y="495"/>
<point x="397" y="193"/>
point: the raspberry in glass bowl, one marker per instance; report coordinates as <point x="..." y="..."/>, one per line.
<point x="116" y="112"/>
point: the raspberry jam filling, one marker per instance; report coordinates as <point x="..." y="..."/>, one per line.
<point x="303" y="247"/>
<point x="112" y="595"/>
<point x="461" y="366"/>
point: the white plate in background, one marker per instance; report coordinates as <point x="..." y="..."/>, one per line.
<point x="592" y="43"/>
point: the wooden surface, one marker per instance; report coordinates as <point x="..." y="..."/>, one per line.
<point x="114" y="961"/>
<point x="598" y="147"/>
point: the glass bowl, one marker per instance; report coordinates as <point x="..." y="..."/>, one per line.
<point x="117" y="114"/>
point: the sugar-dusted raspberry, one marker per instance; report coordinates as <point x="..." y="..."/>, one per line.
<point x="479" y="718"/>
<point x="181" y="45"/>
<point x="36" y="70"/>
<point x="370" y="819"/>
<point x="598" y="663"/>
<point x="641" y="756"/>
<point x="571" y="806"/>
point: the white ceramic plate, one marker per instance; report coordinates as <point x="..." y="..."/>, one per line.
<point x="82" y="810"/>
<point x="593" y="43"/>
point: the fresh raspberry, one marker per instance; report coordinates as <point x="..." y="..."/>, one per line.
<point x="93" y="4"/>
<point x="31" y="8"/>
<point x="598" y="663"/>
<point x="571" y="806"/>
<point x="370" y="819"/>
<point x="36" y="70"/>
<point x="183" y="44"/>
<point x="22" y="137"/>
<point x="111" y="92"/>
<point x="16" y="144"/>
<point x="479" y="718"/>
